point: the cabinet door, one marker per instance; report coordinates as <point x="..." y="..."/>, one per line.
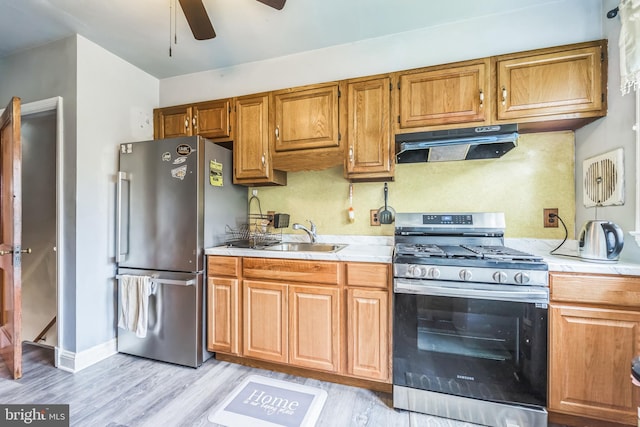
<point x="222" y="315"/>
<point x="251" y="150"/>
<point x="369" y="128"/>
<point x="265" y="320"/>
<point x="212" y="119"/>
<point x="589" y="377"/>
<point x="314" y="327"/>
<point x="172" y="122"/>
<point x="445" y="95"/>
<point x="368" y="334"/>
<point x="565" y="83"/>
<point x="306" y="118"/>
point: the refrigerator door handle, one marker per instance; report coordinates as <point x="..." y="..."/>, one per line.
<point x="191" y="282"/>
<point x="120" y="256"/>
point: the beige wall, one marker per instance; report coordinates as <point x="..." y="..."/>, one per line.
<point x="537" y="174"/>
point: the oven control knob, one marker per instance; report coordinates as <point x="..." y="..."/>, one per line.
<point x="500" y="276"/>
<point x="417" y="271"/>
<point x="522" y="278"/>
<point x="433" y="273"/>
<point x="465" y="274"/>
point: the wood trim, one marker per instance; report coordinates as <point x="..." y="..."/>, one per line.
<point x="307" y="373"/>
<point x="368" y="275"/>
<point x="611" y="290"/>
<point x="287" y="270"/>
<point x="224" y="265"/>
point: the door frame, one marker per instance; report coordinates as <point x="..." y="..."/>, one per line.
<point x="55" y="104"/>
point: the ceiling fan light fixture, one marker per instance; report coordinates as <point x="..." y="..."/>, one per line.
<point x="198" y="19"/>
<point x="276" y="4"/>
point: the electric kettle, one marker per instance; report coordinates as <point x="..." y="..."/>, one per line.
<point x="600" y="241"/>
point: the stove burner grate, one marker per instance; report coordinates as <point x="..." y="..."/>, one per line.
<point x="501" y="253"/>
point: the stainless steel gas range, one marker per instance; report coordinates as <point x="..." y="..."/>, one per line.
<point x="469" y="321"/>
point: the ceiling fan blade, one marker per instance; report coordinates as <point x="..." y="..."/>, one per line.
<point x="198" y="19"/>
<point x="276" y="4"/>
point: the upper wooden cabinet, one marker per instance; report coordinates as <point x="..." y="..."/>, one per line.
<point x="306" y="128"/>
<point x="594" y="333"/>
<point x="172" y="122"/>
<point x="314" y="127"/>
<point x="211" y="119"/>
<point x="252" y="162"/>
<point x="369" y="151"/>
<point x="563" y="83"/>
<point x="443" y="96"/>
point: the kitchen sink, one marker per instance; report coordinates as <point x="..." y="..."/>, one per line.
<point x="305" y="247"/>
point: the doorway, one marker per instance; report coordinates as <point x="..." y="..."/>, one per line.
<point x="39" y="269"/>
<point x="42" y="146"/>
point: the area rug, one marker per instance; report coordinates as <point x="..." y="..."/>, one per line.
<point x="266" y="402"/>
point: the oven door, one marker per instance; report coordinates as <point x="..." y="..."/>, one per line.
<point x="480" y="341"/>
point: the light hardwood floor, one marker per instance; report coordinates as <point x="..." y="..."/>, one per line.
<point x="130" y="391"/>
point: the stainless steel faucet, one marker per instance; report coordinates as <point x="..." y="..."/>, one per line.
<point x="312" y="233"/>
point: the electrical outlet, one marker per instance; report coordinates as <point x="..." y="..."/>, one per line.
<point x="550" y="221"/>
<point x="374" y="217"/>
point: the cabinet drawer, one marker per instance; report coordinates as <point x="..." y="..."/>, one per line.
<point x="223" y="266"/>
<point x="368" y="275"/>
<point x="327" y="272"/>
<point x="595" y="289"/>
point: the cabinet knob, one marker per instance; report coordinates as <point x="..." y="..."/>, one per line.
<point x="277" y="132"/>
<point x="186" y="123"/>
<point x="481" y="99"/>
<point x="264" y="159"/>
<point x="194" y="122"/>
<point x="351" y="154"/>
<point x="504" y="95"/>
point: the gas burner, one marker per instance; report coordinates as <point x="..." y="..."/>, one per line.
<point x="420" y="250"/>
<point x="502" y="253"/>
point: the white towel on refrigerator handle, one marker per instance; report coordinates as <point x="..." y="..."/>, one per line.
<point x="134" y="301"/>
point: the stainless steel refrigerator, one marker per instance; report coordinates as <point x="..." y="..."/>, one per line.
<point x="174" y="198"/>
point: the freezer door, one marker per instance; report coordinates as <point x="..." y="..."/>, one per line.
<point x="160" y="204"/>
<point x="175" y="331"/>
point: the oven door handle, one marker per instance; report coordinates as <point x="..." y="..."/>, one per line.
<point x="513" y="293"/>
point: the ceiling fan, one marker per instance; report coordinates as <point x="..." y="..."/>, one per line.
<point x="199" y="21"/>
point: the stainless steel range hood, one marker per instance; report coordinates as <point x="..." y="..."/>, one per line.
<point x="484" y="142"/>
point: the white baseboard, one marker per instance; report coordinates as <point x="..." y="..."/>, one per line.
<point x="74" y="362"/>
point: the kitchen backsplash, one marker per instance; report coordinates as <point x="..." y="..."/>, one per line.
<point x="537" y="174"/>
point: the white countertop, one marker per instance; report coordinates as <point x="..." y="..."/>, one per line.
<point x="566" y="259"/>
<point x="358" y="249"/>
<point x="380" y="249"/>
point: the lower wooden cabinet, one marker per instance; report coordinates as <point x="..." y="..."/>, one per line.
<point x="223" y="304"/>
<point x="314" y="327"/>
<point x="265" y="320"/>
<point x="368" y="333"/>
<point x="223" y="316"/>
<point x="594" y="333"/>
<point x="325" y="316"/>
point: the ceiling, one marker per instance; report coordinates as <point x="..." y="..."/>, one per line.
<point x="142" y="31"/>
